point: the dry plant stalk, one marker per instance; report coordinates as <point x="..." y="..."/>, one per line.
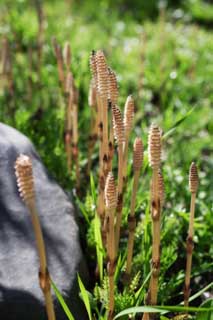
<point x="193" y="186"/>
<point x="60" y="63"/>
<point x="40" y="37"/>
<point x="154" y="153"/>
<point x="137" y="164"/>
<point x="119" y="137"/>
<point x="113" y="98"/>
<point x="25" y="182"/>
<point x="94" y="71"/>
<point x="6" y="66"/>
<point x="75" y="136"/>
<point x="94" y="122"/>
<point x="69" y="115"/>
<point x="67" y="56"/>
<point x="128" y="124"/>
<point x="102" y="74"/>
<point x="110" y="206"/>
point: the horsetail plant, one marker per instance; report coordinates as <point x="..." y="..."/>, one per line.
<point x="60" y="62"/>
<point x="67" y="56"/>
<point x="137" y="164"/>
<point x="102" y="73"/>
<point x="193" y="186"/>
<point x="119" y="137"/>
<point x="129" y="110"/>
<point x="110" y="205"/>
<point x="25" y="183"/>
<point x="154" y="154"/>
<point x="113" y="98"/>
<point x="75" y="150"/>
<point x="94" y="122"/>
<point x="94" y="71"/>
<point x="69" y="121"/>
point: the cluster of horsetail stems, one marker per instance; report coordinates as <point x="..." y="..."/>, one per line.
<point x="70" y="94"/>
<point x="25" y="183"/>
<point x="193" y="186"/>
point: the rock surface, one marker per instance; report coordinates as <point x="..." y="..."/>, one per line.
<point x="20" y="294"/>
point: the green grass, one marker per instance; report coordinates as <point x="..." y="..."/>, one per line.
<point x="167" y="66"/>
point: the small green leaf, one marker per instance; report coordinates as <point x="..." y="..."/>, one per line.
<point x="85" y="297"/>
<point x="99" y="245"/>
<point x="62" y="302"/>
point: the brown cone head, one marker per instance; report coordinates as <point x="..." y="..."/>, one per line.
<point x="137" y="154"/>
<point x="93" y="67"/>
<point x="154" y="146"/>
<point x="102" y="74"/>
<point x="118" y="124"/>
<point x="193" y="178"/>
<point x="24" y="176"/>
<point x="113" y="86"/>
<point x="110" y="192"/>
<point x="129" y="110"/>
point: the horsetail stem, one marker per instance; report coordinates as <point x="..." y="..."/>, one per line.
<point x="119" y="137"/>
<point x="60" y="63"/>
<point x="193" y="187"/>
<point x="102" y="70"/>
<point x="110" y="204"/>
<point x="128" y="124"/>
<point x="94" y="122"/>
<point x="154" y="155"/>
<point x="113" y="97"/>
<point x="25" y="183"/>
<point x="137" y="164"/>
<point x="67" y="55"/>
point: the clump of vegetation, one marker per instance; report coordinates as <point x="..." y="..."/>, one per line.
<point x="165" y="64"/>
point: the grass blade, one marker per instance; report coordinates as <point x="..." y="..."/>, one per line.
<point x="160" y="309"/>
<point x="177" y="123"/>
<point x="85" y="297"/>
<point x="99" y="245"/>
<point x="62" y="302"/>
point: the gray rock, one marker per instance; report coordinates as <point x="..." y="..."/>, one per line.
<point x="20" y="295"/>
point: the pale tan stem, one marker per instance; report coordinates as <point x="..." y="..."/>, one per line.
<point x="68" y="139"/>
<point x="92" y="137"/>
<point x="189" y="248"/>
<point x="156" y="239"/>
<point x="192" y="213"/>
<point x="100" y="206"/>
<point x="120" y="196"/>
<point x="111" y="146"/>
<point x="38" y="236"/>
<point x="44" y="278"/>
<point x="132" y="223"/>
<point x="111" y="297"/>
<point x="104" y="103"/>
<point x="75" y="142"/>
<point x="125" y="158"/>
<point x="111" y="255"/>
<point x="49" y="306"/>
